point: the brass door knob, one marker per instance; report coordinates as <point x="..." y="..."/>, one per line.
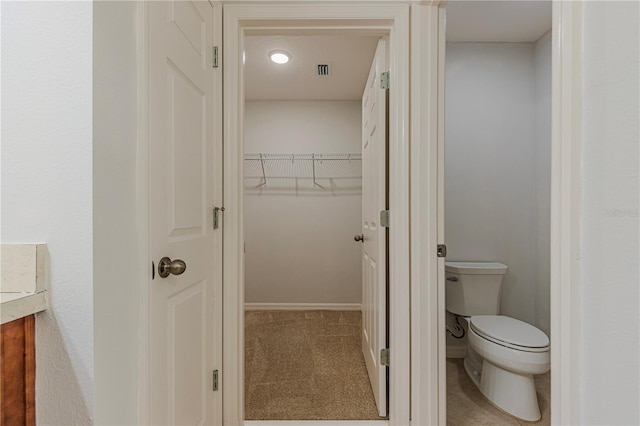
<point x="167" y="267"/>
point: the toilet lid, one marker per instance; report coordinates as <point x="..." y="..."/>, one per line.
<point x="509" y="332"/>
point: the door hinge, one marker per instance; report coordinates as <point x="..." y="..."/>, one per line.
<point x="384" y="218"/>
<point x="215" y="57"/>
<point x="384" y="356"/>
<point x="384" y="80"/>
<point x="442" y="250"/>
<point x="216" y="216"/>
<point x="215" y="380"/>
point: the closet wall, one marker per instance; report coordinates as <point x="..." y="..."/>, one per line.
<point x="298" y="236"/>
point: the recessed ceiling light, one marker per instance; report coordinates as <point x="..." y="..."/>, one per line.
<point x="280" y="56"/>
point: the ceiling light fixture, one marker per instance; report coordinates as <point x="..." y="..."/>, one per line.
<point x="280" y="56"/>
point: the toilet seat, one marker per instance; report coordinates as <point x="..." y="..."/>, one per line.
<point x="510" y="332"/>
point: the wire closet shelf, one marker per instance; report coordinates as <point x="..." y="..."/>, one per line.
<point x="312" y="166"/>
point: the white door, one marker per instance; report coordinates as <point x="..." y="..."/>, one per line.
<point x="185" y="326"/>
<point x="374" y="247"/>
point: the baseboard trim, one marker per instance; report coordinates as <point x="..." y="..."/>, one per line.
<point x="302" y="307"/>
<point x="316" y="422"/>
<point x="456" y="351"/>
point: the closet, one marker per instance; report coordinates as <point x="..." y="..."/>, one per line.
<point x="303" y="204"/>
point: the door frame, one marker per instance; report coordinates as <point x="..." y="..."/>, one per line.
<point x="428" y="333"/>
<point x="565" y="215"/>
<point x="239" y="19"/>
<point x="566" y="142"/>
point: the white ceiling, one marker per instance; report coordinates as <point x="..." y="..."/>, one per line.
<point x="350" y="56"/>
<point x="497" y="21"/>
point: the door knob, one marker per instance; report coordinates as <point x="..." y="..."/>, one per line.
<point x="167" y="267"/>
<point x="359" y="237"/>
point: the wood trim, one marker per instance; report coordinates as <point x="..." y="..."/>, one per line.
<point x="30" y="368"/>
<point x="442" y="334"/>
<point x="399" y="228"/>
<point x="316" y="422"/>
<point x="218" y="88"/>
<point x="142" y="212"/>
<point x="428" y="347"/>
<point x="18" y="372"/>
<point x="565" y="210"/>
<point x="302" y="306"/>
<point x="233" y="242"/>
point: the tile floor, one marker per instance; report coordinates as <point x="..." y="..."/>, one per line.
<point x="467" y="406"/>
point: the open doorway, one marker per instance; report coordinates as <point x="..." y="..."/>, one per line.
<point x="497" y="212"/>
<point x="240" y="22"/>
<point x="315" y="182"/>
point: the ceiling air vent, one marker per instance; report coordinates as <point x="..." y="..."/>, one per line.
<point x="323" y="70"/>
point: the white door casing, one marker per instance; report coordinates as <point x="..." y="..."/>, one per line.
<point x="428" y="344"/>
<point x="184" y="170"/>
<point x="383" y="19"/>
<point x="374" y="244"/>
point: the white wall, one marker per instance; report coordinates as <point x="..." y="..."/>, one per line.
<point x="542" y="70"/>
<point x="116" y="301"/>
<point x="47" y="187"/>
<point x="299" y="239"/>
<point x="610" y="276"/>
<point x="497" y="167"/>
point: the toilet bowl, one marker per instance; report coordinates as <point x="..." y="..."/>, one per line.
<point x="503" y="353"/>
<point x="511" y="352"/>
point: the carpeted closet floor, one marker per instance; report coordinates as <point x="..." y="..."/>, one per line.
<point x="306" y="365"/>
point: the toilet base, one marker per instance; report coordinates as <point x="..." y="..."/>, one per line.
<point x="473" y="370"/>
<point x="511" y="392"/>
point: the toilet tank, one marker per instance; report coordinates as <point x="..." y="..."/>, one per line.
<point x="473" y="288"/>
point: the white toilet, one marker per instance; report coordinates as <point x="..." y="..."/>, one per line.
<point x="503" y="353"/>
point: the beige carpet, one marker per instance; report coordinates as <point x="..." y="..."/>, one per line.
<point x="466" y="406"/>
<point x="306" y="365"/>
